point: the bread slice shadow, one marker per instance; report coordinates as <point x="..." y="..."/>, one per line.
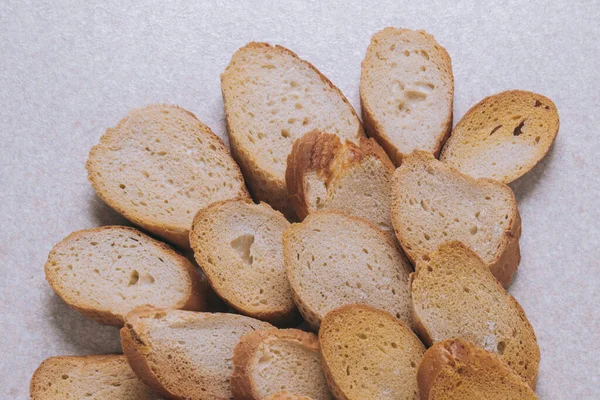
<point x="526" y="184"/>
<point x="101" y="214"/>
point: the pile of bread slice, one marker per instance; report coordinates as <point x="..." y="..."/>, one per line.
<point x="394" y="249"/>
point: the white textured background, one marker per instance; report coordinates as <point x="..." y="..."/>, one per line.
<point x="70" y="69"/>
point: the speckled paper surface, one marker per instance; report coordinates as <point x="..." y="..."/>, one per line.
<point x="70" y="69"/>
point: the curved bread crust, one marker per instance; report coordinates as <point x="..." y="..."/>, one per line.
<point x="285" y="395"/>
<point x="503" y="136"/>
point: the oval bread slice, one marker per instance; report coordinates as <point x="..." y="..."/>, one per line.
<point x="185" y="354"/>
<point x="503" y="136"/>
<point x="267" y="361"/>
<point x="159" y="166"/>
<point x="285" y="395"/>
<point x="272" y="97"/>
<point x="454" y="295"/>
<point x="368" y="354"/>
<point x="334" y="259"/>
<point x="106" y="272"/>
<point x="406" y="92"/>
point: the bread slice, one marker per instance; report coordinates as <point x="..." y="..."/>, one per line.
<point x="238" y="245"/>
<point x="406" y="92"/>
<point x="97" y="377"/>
<point x="323" y="173"/>
<point x="455" y="370"/>
<point x="334" y="259"/>
<point x="368" y="354"/>
<point x="454" y="295"/>
<point x="268" y="361"/>
<point x="503" y="136"/>
<point x="272" y="97"/>
<point x="285" y="395"/>
<point x="185" y="354"/>
<point x="159" y="166"/>
<point x="433" y="203"/>
<point x="106" y="272"/>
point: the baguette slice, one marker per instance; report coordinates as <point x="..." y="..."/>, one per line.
<point x="455" y="370"/>
<point x="334" y="259"/>
<point x="96" y="377"/>
<point x="368" y="354"/>
<point x="503" y="136"/>
<point x="454" y="295"/>
<point x="272" y="97"/>
<point x="267" y="361"/>
<point x="433" y="203"/>
<point x="238" y="245"/>
<point x="106" y="272"/>
<point x="323" y="173"/>
<point x="406" y="92"/>
<point x="185" y="354"/>
<point x="159" y="166"/>
<point x="285" y="395"/>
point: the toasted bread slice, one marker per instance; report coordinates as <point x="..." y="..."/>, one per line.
<point x="503" y="136"/>
<point x="368" y="354"/>
<point x="159" y="166"/>
<point x="185" y="354"/>
<point x="106" y="272"/>
<point x="97" y="377"/>
<point x="334" y="259"/>
<point x="406" y="92"/>
<point x="238" y="245"/>
<point x="285" y="395"/>
<point x="272" y="97"/>
<point x="267" y="361"/>
<point x="455" y="370"/>
<point x="433" y="203"/>
<point x="454" y="295"/>
<point x="323" y="173"/>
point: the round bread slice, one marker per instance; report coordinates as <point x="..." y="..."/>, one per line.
<point x="268" y="361"/>
<point x="159" y="166"/>
<point x="185" y="354"/>
<point x="96" y="377"/>
<point x="285" y="395"/>
<point x="454" y="295"/>
<point x="106" y="272"/>
<point x="272" y="97"/>
<point x="456" y="370"/>
<point x="503" y="136"/>
<point x="334" y="259"/>
<point x="238" y="245"/>
<point x="368" y="354"/>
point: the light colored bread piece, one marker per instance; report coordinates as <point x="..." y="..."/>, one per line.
<point x="334" y="259"/>
<point x="433" y="203"/>
<point x="238" y="245"/>
<point x="503" y="136"/>
<point x="159" y="166"/>
<point x="368" y="354"/>
<point x="456" y="370"/>
<point x="185" y="354"/>
<point x="285" y="395"/>
<point x="454" y="295"/>
<point x="106" y="272"/>
<point x="268" y="361"/>
<point x="323" y="173"/>
<point x="97" y="377"/>
<point x="406" y="92"/>
<point x="272" y="97"/>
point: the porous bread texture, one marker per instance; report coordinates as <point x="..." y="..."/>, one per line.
<point x="334" y="259"/>
<point x="455" y="369"/>
<point x="272" y="97"/>
<point x="96" y="377"/>
<point x="433" y="203"/>
<point x="368" y="354"/>
<point x="285" y="395"/>
<point x="406" y="92"/>
<point x="185" y="354"/>
<point x="106" y="272"/>
<point x="503" y="136"/>
<point x="454" y="295"/>
<point x="238" y="245"/>
<point x="159" y="166"/>
<point x="269" y="361"/>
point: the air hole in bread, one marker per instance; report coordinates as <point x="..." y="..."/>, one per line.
<point x="134" y="278"/>
<point x="501" y="346"/>
<point x="242" y="245"/>
<point x="495" y="129"/>
<point x="519" y="129"/>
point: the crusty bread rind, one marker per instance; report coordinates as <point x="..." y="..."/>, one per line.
<point x="285" y="395"/>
